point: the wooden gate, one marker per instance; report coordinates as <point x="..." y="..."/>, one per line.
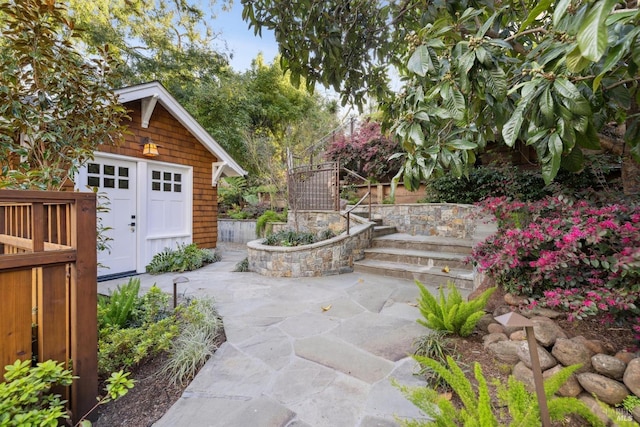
<point x="48" y="285"/>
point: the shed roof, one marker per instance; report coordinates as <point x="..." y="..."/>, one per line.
<point x="152" y="92"/>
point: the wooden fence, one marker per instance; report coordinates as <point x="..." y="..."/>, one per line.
<point x="48" y="285"/>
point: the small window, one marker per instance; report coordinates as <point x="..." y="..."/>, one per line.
<point x="124" y="172"/>
<point x="177" y="188"/>
<point x="93" y="168"/>
<point x="93" y="181"/>
<point x="123" y="184"/>
<point x="155" y="175"/>
<point x="109" y="169"/>
<point x="177" y="177"/>
<point x="167" y="186"/>
<point x="155" y="186"/>
<point x="167" y="176"/>
<point x="109" y="183"/>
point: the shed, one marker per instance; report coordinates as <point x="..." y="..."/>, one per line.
<point x="160" y="182"/>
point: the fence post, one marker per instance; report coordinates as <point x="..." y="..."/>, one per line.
<point x="84" y="290"/>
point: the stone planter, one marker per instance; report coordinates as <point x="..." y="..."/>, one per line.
<point x="331" y="256"/>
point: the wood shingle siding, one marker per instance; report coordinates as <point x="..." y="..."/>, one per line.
<point x="177" y="145"/>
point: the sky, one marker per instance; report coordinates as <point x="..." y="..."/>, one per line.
<point x="241" y="41"/>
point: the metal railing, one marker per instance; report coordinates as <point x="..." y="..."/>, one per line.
<point x="347" y="214"/>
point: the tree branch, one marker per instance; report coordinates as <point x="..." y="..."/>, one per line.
<point x="525" y="32"/>
<point x="622" y="82"/>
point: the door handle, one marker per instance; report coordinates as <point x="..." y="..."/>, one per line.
<point x="133" y="224"/>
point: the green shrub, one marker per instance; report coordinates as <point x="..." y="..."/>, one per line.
<point x="25" y="398"/>
<point x="290" y="238"/>
<point x="201" y="326"/>
<point x="151" y="307"/>
<point x="117" y="308"/>
<point x="242" y="266"/>
<point x="149" y="330"/>
<point x="435" y="345"/>
<point x="477" y="409"/>
<point x="326" y="234"/>
<point x="486" y="182"/>
<point x="126" y="348"/>
<point x="184" y="258"/>
<point x="263" y="224"/>
<point x="451" y="313"/>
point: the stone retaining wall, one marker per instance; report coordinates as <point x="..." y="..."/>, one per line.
<point x="428" y="219"/>
<point x="332" y="256"/>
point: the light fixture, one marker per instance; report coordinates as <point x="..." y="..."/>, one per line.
<point x="149" y="148"/>
<point x="519" y="321"/>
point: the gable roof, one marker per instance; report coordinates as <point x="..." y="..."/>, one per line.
<point x="152" y="92"/>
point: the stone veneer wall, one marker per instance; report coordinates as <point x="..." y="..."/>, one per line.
<point x="428" y="219"/>
<point x="316" y="221"/>
<point x="332" y="256"/>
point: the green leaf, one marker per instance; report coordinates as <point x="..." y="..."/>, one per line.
<point x="420" y="61"/>
<point x="511" y="129"/>
<point x="576" y="62"/>
<point x="540" y="8"/>
<point x="485" y="27"/>
<point x="560" y="9"/>
<point x="416" y="134"/>
<point x="592" y="35"/>
<point x="615" y="54"/>
<point x="552" y="164"/>
<point x="546" y="105"/>
<point x="578" y="104"/>
<point x="574" y="161"/>
<point x="461" y="144"/>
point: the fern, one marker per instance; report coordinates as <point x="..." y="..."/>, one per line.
<point x="451" y="313"/>
<point x="476" y="406"/>
<point x="117" y="308"/>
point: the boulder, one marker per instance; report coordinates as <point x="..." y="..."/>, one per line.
<point x="608" y="366"/>
<point x="604" y="388"/>
<point x="595" y="346"/>
<point x="595" y="407"/>
<point x="547" y="361"/>
<point x="524" y="375"/>
<point x="631" y="376"/>
<point x="495" y="328"/>
<point x="570" y="352"/>
<point x="484" y="322"/>
<point x="513" y="299"/>
<point x="546" y="331"/>
<point x="571" y="388"/>
<point x="635" y="413"/>
<point x="505" y="351"/>
<point x="493" y="338"/>
<point x="625" y="356"/>
<point x="519" y="335"/>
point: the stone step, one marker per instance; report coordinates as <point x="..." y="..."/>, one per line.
<point x="424" y="243"/>
<point x="430" y="276"/>
<point x="417" y="257"/>
<point x="383" y="230"/>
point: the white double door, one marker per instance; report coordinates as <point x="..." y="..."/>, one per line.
<point x="141" y="203"/>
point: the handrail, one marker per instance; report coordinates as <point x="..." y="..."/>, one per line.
<point x="347" y="214"/>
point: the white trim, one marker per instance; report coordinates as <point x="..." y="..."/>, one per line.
<point x="147" y="90"/>
<point x="216" y="172"/>
<point x="148" y="105"/>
